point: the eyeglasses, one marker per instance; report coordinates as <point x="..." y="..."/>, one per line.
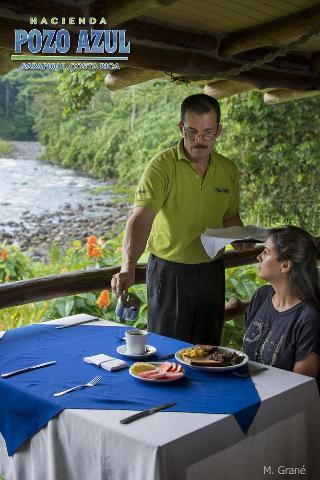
<point x="206" y="137"/>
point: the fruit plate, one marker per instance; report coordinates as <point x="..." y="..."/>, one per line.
<point x="215" y="369"/>
<point x="160" y="380"/>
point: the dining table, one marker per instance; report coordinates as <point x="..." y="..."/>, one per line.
<point x="275" y="436"/>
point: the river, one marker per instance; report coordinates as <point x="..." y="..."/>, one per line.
<point x="42" y="202"/>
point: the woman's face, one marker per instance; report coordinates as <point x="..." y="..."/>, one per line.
<point x="269" y="267"/>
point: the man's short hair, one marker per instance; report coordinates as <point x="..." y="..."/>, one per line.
<point x="200" y="103"/>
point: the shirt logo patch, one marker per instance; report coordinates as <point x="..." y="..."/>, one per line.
<point x="142" y="195"/>
<point x="222" y="189"/>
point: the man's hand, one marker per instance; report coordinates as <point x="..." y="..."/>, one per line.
<point x="243" y="246"/>
<point x="122" y="281"/>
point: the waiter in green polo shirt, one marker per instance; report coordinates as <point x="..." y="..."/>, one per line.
<point x="183" y="191"/>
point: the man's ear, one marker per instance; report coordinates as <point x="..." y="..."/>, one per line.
<point x="286" y="266"/>
<point x="181" y="126"/>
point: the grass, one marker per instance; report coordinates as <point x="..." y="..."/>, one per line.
<point x="5" y="149"/>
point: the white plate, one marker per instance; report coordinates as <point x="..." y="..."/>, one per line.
<point x="161" y="380"/>
<point x="122" y="349"/>
<point x="215" y="369"/>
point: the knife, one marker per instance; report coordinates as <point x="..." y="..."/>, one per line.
<point x="79" y="323"/>
<point x="145" y="413"/>
<point x="27" y="369"/>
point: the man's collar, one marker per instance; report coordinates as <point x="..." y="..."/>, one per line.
<point x="181" y="152"/>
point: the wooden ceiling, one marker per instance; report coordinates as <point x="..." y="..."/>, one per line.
<point x="228" y="46"/>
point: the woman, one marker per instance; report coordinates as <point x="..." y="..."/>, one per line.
<point x="283" y="318"/>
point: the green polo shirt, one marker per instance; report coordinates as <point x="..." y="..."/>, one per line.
<point x="185" y="203"/>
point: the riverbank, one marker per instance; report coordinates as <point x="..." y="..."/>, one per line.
<point x="47" y="204"/>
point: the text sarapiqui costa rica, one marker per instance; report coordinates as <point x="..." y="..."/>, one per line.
<point x="49" y="41"/>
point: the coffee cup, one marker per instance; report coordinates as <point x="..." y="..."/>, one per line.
<point x="136" y="341"/>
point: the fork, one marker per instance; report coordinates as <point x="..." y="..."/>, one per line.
<point x="92" y="383"/>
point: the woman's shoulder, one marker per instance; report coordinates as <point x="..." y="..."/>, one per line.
<point x="262" y="293"/>
<point x="310" y="312"/>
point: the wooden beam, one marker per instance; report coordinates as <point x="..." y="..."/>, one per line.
<point x="315" y="62"/>
<point x="151" y="32"/>
<point x="278" y="32"/>
<point x="15" y="9"/>
<point x="226" y="88"/>
<point x="188" y="63"/>
<point x="55" y="286"/>
<point x="119" y="11"/>
<point x="281" y="96"/>
<point x="130" y="76"/>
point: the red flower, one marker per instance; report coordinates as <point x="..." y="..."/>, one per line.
<point x="4" y="256"/>
<point x="104" y="299"/>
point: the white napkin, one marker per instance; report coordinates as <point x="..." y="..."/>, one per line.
<point x="2" y="332"/>
<point x="106" y="362"/>
<point x="75" y="319"/>
<point x="215" y="239"/>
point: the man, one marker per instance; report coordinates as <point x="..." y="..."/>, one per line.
<point x="183" y="191"/>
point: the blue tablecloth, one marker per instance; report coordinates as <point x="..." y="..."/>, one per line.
<point x="27" y="402"/>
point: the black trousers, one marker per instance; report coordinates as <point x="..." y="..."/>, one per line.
<point x="186" y="301"/>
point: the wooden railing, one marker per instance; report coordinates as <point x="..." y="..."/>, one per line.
<point x="54" y="286"/>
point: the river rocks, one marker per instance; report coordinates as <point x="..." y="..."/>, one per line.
<point x="83" y="215"/>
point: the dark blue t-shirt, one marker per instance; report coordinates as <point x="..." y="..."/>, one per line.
<point x="280" y="339"/>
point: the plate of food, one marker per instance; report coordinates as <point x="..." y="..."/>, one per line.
<point x="157" y="372"/>
<point x="211" y="358"/>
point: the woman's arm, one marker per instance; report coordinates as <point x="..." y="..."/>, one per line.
<point x="310" y="365"/>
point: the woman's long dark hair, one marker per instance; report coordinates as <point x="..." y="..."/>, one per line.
<point x="295" y="244"/>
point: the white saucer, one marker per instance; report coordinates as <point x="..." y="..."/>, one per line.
<point x="122" y="349"/>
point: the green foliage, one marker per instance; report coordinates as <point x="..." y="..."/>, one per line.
<point x="117" y="133"/>
<point x="77" y="88"/>
<point x="277" y="151"/>
<point x="18" y="109"/>
<point x="5" y="147"/>
<point x="22" y="315"/>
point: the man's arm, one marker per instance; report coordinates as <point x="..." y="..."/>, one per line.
<point x="135" y="238"/>
<point x="232" y="221"/>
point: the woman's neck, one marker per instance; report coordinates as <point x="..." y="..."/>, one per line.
<point x="284" y="298"/>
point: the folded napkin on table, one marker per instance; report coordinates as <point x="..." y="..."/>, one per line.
<point x="106" y="362"/>
<point x="75" y="319"/>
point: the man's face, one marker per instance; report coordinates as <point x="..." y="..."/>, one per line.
<point x="199" y="134"/>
